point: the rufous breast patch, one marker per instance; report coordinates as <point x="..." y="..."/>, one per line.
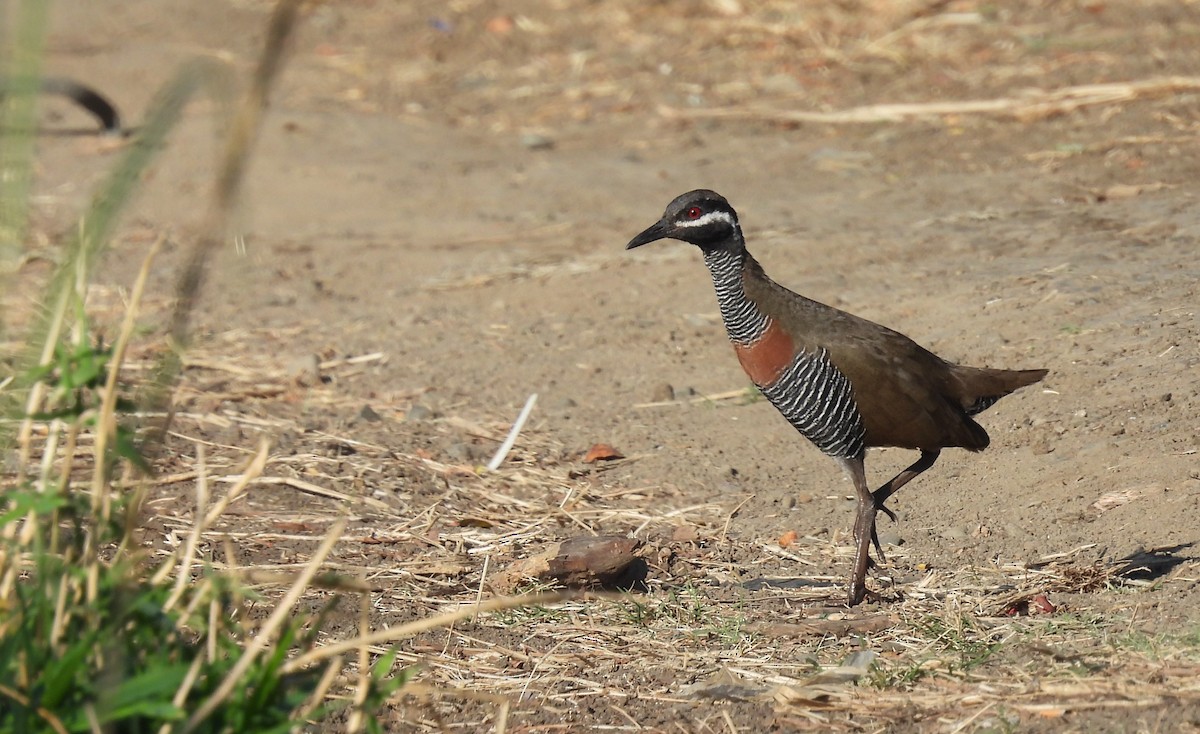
<point x="765" y="358"/>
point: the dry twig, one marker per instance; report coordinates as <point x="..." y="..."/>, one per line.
<point x="1026" y="107"/>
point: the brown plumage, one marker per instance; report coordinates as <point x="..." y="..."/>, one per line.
<point x="908" y="396"/>
<point x="844" y="382"/>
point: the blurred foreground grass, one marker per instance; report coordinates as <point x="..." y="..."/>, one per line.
<point x="95" y="635"/>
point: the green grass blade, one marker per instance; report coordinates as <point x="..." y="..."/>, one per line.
<point x="63" y="676"/>
<point x="147" y="694"/>
<point x="21" y="503"/>
<point x="18" y="122"/>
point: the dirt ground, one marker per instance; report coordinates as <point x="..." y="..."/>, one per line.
<point x="436" y="216"/>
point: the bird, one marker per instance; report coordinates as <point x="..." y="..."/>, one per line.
<point x="845" y="383"/>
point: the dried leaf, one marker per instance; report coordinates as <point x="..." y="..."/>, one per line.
<point x="1118" y="497"/>
<point x="1043" y="605"/>
<point x="805" y="696"/>
<point x="724" y="685"/>
<point x="602" y="452"/>
<point x="817" y="690"/>
<point x="1128" y="191"/>
<point x="684" y="534"/>
<point x="1029" y="605"/>
<point x="856" y="665"/>
<point x="475" y="522"/>
<point x="575" y="562"/>
<point x="500" y="25"/>
<point x="296" y="527"/>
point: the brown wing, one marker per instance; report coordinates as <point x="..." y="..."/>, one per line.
<point x="908" y="396"/>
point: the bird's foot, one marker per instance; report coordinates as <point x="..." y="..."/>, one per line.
<point x="879" y="507"/>
<point x="865" y="536"/>
<point x="859" y="595"/>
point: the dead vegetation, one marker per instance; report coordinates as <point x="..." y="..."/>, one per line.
<point x="716" y="618"/>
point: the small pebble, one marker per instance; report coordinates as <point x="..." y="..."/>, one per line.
<point x="368" y="414"/>
<point x="662" y="393"/>
<point x="460" y="452"/>
<point x="1041" y="445"/>
<point x="418" y="412"/>
<point x="687" y="392"/>
<point x="780" y="84"/>
<point x="954" y="533"/>
<point x="562" y="407"/>
<point x="305" y="369"/>
<point x="890" y="537"/>
<point x="534" y="141"/>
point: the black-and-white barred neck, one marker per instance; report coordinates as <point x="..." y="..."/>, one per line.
<point x="811" y="393"/>
<point x="743" y="321"/>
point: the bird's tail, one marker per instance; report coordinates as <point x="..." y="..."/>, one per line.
<point x="980" y="387"/>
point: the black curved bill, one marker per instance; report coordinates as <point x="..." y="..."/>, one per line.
<point x="654" y="232"/>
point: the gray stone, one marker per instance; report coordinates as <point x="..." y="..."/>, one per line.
<point x="419" y="412"/>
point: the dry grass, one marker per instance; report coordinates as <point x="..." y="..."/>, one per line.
<point x="1031" y="105"/>
<point x="721" y="618"/>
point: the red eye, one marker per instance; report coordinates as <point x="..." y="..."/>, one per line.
<point x="694" y="212"/>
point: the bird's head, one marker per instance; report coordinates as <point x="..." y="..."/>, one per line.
<point x="701" y="217"/>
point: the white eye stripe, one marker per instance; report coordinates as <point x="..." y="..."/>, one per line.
<point x="709" y="218"/>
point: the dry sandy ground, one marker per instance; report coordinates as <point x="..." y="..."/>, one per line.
<point x="447" y="188"/>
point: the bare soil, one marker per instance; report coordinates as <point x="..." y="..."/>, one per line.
<point x="437" y="212"/>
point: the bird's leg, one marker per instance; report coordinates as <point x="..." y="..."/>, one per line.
<point x="864" y="529"/>
<point x="881" y="495"/>
<point x="869" y="503"/>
